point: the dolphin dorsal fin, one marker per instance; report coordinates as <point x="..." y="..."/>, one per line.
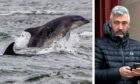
<point x="10" y="49"/>
<point x="32" y="31"/>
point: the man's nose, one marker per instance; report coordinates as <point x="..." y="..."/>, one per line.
<point x="120" y="26"/>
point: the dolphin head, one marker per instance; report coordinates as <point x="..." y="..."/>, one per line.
<point x="79" y="18"/>
<point x="78" y="21"/>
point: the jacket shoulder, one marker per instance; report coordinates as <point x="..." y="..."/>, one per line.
<point x="134" y="42"/>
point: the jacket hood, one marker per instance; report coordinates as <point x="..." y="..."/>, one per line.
<point x="106" y="29"/>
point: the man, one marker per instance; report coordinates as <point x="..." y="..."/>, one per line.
<point x="115" y="52"/>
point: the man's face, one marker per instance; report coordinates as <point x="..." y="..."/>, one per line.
<point x="119" y="25"/>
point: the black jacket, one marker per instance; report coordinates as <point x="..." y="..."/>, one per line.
<point x="111" y="53"/>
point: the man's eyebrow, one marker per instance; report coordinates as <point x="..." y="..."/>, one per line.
<point x="119" y="21"/>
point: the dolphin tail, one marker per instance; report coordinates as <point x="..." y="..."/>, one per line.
<point x="10" y="50"/>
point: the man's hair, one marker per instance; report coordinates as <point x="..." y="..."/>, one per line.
<point x="119" y="10"/>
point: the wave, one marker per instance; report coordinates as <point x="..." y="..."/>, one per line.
<point x="86" y="34"/>
<point x="38" y="12"/>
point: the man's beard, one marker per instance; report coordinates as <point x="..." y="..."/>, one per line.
<point x="119" y="34"/>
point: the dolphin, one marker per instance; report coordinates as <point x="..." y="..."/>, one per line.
<point x="57" y="28"/>
<point x="47" y="33"/>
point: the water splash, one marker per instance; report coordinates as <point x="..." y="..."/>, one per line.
<point x="86" y="34"/>
<point x="22" y="40"/>
<point x="69" y="45"/>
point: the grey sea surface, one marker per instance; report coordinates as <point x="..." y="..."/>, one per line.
<point x="70" y="64"/>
